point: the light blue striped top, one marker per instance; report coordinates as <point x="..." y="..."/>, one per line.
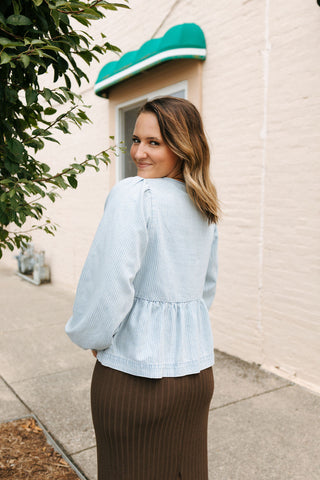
<point x="148" y="281"/>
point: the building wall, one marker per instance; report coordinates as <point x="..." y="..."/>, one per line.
<point x="291" y="247"/>
<point x="260" y="104"/>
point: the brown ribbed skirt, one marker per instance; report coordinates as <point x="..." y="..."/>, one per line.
<point x="151" y="429"/>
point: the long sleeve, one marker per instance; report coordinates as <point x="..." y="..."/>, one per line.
<point x="211" y="276"/>
<point x="105" y="291"/>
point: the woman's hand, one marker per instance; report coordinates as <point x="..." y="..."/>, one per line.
<point x="94" y="353"/>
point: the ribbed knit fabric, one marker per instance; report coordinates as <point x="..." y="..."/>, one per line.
<point x="151" y="429"/>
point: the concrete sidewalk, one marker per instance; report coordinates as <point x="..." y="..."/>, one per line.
<point x="261" y="427"/>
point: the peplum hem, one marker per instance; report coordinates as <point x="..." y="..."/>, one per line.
<point x="162" y="339"/>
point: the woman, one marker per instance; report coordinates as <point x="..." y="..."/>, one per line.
<point x="142" y="303"/>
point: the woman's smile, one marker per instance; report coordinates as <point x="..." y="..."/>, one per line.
<point x="143" y="164"/>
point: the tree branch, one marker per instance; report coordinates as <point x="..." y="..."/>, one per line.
<point x="67" y="170"/>
<point x="76" y="12"/>
<point x="58" y="119"/>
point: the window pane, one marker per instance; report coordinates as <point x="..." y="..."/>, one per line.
<point x="129" y="118"/>
<point x="179" y="94"/>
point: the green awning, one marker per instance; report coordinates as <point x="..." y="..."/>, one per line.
<point x="181" y="41"/>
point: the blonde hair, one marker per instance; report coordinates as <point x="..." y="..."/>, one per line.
<point x="182" y="130"/>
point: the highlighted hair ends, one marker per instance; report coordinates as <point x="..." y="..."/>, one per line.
<point x="182" y="130"/>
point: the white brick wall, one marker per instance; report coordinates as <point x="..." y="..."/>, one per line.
<point x="261" y="112"/>
<point x="291" y="276"/>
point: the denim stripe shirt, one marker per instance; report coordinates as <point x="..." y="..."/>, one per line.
<point x="149" y="279"/>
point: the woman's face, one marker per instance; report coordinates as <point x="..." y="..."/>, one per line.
<point x="153" y="158"/>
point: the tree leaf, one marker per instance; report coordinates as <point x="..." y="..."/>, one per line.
<point x="52" y="196"/>
<point x="22" y="217"/>
<point x="2" y="19"/>
<point x="3" y="234"/>
<point x="37" y="41"/>
<point x="67" y="80"/>
<point x="15" y="146"/>
<point x="6" y="42"/>
<point x="5" y="58"/>
<point x="86" y="56"/>
<point x="50" y="111"/>
<point x="25" y="59"/>
<point x="56" y="17"/>
<point x="11" y="95"/>
<point x="60" y="182"/>
<point x="16" y="7"/>
<point x="31" y="96"/>
<point x="18" y="20"/>
<point x="81" y="20"/>
<point x="45" y="168"/>
<point x="73" y="181"/>
<point x="51" y="139"/>
<point x="47" y="94"/>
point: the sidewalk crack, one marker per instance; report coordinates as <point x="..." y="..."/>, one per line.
<point x="15" y="394"/>
<point x="83" y="450"/>
<point x="252" y="396"/>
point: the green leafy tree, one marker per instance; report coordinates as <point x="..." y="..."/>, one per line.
<point x="39" y="38"/>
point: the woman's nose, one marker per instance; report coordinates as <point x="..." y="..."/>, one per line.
<point x="140" y="151"/>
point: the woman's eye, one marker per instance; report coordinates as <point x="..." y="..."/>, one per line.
<point x="153" y="142"/>
<point x="135" y="140"/>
